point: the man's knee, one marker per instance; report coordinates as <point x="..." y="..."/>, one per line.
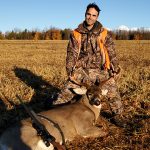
<point x="63" y="97"/>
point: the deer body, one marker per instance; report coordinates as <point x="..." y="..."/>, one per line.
<point x="77" y="119"/>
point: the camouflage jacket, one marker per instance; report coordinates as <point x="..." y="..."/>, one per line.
<point x="89" y="56"/>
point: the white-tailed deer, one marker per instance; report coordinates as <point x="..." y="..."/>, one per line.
<point x="77" y="119"/>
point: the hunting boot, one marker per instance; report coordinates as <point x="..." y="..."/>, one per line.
<point x="119" y="120"/>
<point x="50" y="100"/>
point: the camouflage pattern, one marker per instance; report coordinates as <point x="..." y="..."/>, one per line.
<point x="86" y="67"/>
<point x="113" y="99"/>
<point x="90" y="56"/>
<point x="81" y="77"/>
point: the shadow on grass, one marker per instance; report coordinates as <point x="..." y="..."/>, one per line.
<point x="43" y="91"/>
<point x="40" y="101"/>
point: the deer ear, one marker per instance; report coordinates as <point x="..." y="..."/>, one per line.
<point x="80" y="91"/>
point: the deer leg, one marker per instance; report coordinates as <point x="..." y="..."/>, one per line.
<point x="94" y="132"/>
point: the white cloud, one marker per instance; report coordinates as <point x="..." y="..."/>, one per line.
<point x="123" y="27"/>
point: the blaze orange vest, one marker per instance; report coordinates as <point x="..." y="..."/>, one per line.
<point x="103" y="50"/>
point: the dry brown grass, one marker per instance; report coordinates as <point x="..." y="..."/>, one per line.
<point x="36" y="69"/>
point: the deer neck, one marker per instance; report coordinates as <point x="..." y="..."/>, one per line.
<point x="93" y="108"/>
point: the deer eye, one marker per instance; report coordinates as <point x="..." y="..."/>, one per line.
<point x="89" y="95"/>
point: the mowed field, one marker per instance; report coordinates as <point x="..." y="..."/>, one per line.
<point x="36" y="69"/>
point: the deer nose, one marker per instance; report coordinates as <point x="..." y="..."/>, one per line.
<point x="95" y="101"/>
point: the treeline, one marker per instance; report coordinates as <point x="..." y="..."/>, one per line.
<point x="57" y="34"/>
<point x="140" y="34"/>
<point x="51" y="34"/>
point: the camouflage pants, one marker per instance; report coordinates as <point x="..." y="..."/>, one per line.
<point x="113" y="100"/>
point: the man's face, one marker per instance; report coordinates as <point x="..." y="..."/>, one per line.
<point x="91" y="16"/>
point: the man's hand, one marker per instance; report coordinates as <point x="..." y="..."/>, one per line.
<point x="115" y="72"/>
<point x="116" y="76"/>
<point x="72" y="78"/>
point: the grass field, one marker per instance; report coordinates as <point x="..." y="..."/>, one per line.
<point x="35" y="69"/>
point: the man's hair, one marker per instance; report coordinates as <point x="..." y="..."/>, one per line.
<point x="93" y="5"/>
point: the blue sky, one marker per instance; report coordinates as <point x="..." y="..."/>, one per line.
<point x="43" y="14"/>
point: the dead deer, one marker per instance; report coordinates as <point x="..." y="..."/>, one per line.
<point x="77" y="119"/>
